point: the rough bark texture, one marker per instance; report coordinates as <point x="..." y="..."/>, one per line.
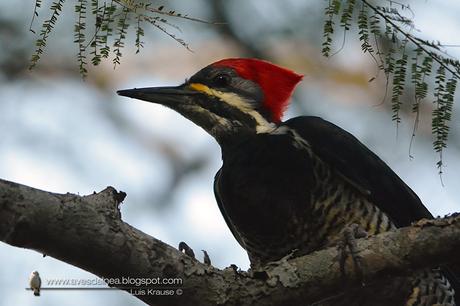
<point x="87" y="231"/>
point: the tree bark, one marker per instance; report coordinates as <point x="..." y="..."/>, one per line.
<point x="87" y="231"/>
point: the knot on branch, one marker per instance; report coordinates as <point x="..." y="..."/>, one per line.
<point x="107" y="200"/>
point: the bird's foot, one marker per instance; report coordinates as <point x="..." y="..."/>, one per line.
<point x="282" y="260"/>
<point x="237" y="272"/>
<point x="347" y="246"/>
<point x="257" y="269"/>
<point x="234" y="268"/>
<point x="184" y="248"/>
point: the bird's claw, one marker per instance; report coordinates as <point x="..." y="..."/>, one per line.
<point x="283" y="259"/>
<point x="184" y="248"/>
<point x="348" y="241"/>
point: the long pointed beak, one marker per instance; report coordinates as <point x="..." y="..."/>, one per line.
<point x="191" y="103"/>
<point x="168" y="96"/>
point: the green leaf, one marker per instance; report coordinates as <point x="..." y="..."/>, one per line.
<point x="347" y="14"/>
<point x="47" y="28"/>
<point x="79" y="36"/>
<point x="399" y="79"/>
<point x="139" y="34"/>
<point x="121" y="29"/>
<point x="331" y="11"/>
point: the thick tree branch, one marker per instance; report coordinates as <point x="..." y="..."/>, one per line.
<point x="87" y="231"/>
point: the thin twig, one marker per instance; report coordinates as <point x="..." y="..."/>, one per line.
<point x="411" y="38"/>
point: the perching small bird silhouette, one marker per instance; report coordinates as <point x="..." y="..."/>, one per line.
<point x="35" y="282"/>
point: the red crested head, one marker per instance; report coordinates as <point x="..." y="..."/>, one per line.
<point x="234" y="97"/>
<point x="276" y="83"/>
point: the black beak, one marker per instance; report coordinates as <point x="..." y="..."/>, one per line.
<point x="168" y="96"/>
<point x="187" y="102"/>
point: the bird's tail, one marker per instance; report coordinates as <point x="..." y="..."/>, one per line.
<point x="36" y="292"/>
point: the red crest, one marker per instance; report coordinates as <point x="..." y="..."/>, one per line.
<point x="277" y="83"/>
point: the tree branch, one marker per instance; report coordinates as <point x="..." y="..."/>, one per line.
<point x="87" y="231"/>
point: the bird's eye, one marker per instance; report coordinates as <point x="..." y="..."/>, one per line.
<point x="221" y="80"/>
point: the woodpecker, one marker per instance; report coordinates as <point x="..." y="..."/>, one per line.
<point x="295" y="184"/>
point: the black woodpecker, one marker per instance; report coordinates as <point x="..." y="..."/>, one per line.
<point x="297" y="184"/>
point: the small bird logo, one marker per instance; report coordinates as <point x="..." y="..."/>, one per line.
<point x="35" y="282"/>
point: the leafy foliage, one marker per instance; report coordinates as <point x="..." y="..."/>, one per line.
<point x="442" y="112"/>
<point x="107" y="34"/>
<point x="364" y="30"/>
<point x="139" y="33"/>
<point x="119" y="43"/>
<point x="47" y="28"/>
<point x="345" y="19"/>
<point x="384" y="32"/>
<point x="98" y="41"/>
<point x="80" y="27"/>
<point x="399" y="79"/>
<point x="401" y="50"/>
<point x="332" y="10"/>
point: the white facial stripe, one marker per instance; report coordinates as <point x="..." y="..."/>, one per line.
<point x="263" y="126"/>
<point x="223" y="123"/>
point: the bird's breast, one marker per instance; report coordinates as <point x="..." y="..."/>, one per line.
<point x="279" y="197"/>
<point x="265" y="190"/>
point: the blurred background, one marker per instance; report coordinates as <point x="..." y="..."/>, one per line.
<point x="62" y="134"/>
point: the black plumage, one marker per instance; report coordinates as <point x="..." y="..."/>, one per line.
<point x="299" y="187"/>
<point x="296" y="185"/>
<point x="267" y="183"/>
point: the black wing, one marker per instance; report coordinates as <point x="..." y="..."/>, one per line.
<point x="223" y="212"/>
<point x="349" y="157"/>
<point x="362" y="168"/>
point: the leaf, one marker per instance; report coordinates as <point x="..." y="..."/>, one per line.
<point x="345" y="19"/>
<point x="121" y="29"/>
<point x="139" y="34"/>
<point x="79" y="36"/>
<point x="331" y="10"/>
<point x="442" y="112"/>
<point x="398" y="87"/>
<point x="106" y="28"/>
<point x="47" y="28"/>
